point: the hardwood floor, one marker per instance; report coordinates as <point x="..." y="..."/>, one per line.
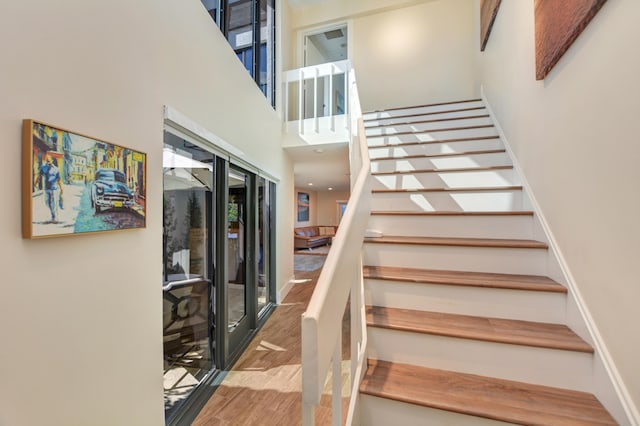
<point x="264" y="386"/>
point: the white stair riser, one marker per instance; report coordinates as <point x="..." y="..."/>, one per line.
<point x="517" y="227"/>
<point x="376" y="411"/>
<point x="428" y="126"/>
<point x="411" y="118"/>
<point x="524" y="305"/>
<point x="480" y="259"/>
<point x="444" y="179"/>
<point x="434" y="148"/>
<point x="448" y="201"/>
<point x="373" y="141"/>
<point x="422" y="110"/>
<point x="456" y="162"/>
<point x="543" y="366"/>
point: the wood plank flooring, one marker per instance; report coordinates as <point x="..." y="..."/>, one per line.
<point x="498" y="399"/>
<point x="264" y="386"/>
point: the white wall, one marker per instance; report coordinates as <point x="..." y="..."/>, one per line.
<point x="412" y="55"/>
<point x="575" y="135"/>
<point x="328" y="207"/>
<point x="82" y="316"/>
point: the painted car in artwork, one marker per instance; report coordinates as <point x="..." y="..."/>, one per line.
<point x="110" y="189"/>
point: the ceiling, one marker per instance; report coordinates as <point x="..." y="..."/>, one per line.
<point x="332" y="44"/>
<point x="325" y="166"/>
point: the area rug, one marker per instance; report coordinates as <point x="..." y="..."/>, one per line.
<point x="307" y="263"/>
<point x="317" y="251"/>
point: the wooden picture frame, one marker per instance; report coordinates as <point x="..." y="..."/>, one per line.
<point x="488" y="13"/>
<point x="76" y="184"/>
<point x="558" y="24"/>
<point x="303" y="207"/>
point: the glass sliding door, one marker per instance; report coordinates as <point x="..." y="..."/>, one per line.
<point x="218" y="265"/>
<point x="187" y="290"/>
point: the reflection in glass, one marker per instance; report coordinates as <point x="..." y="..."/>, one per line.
<point x="213" y="7"/>
<point x="236" y="247"/>
<point x="187" y="317"/>
<point x="266" y="58"/>
<point x="239" y="30"/>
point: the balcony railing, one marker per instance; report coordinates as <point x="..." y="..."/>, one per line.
<point x="316" y="102"/>
<point x="340" y="282"/>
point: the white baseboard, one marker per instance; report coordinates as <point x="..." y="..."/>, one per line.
<point x="282" y="292"/>
<point x="626" y="406"/>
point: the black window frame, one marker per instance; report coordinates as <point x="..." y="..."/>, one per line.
<point x="222" y="23"/>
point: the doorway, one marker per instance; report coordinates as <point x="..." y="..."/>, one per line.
<point x="321" y="46"/>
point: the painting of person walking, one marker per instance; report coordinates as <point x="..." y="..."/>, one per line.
<point x="50" y="175"/>
<point x="103" y="184"/>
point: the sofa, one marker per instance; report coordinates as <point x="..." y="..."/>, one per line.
<point x="308" y="237"/>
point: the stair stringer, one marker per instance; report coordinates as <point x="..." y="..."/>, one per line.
<point x="609" y="387"/>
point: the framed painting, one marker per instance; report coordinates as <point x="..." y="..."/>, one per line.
<point x="558" y="24"/>
<point x="76" y="184"/>
<point x="488" y="13"/>
<point x="303" y="207"/>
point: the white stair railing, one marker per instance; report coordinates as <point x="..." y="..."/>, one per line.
<point x="340" y="281"/>
<point x="327" y="106"/>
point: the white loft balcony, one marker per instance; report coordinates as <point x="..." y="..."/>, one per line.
<point x="316" y="104"/>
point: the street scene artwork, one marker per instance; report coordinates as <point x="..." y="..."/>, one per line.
<point x="74" y="184"/>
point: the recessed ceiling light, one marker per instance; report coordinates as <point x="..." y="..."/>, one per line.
<point x="330" y="189"/>
<point x="310" y="184"/>
<point x="318" y="150"/>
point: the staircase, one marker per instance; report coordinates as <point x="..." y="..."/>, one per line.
<point x="464" y="325"/>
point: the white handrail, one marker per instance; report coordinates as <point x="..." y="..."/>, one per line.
<point x="341" y="278"/>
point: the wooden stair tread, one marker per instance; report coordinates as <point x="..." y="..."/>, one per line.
<point x="453" y="213"/>
<point x="515" y="332"/>
<point x="422" y="106"/>
<point x="458" y="242"/>
<point x="457" y="170"/>
<point x="436" y="120"/>
<point x="448" y="129"/>
<point x="487" y="397"/>
<point x="396" y="117"/>
<point x="463" y="278"/>
<point x="451" y="154"/>
<point x="433" y="142"/>
<point x="467" y="189"/>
